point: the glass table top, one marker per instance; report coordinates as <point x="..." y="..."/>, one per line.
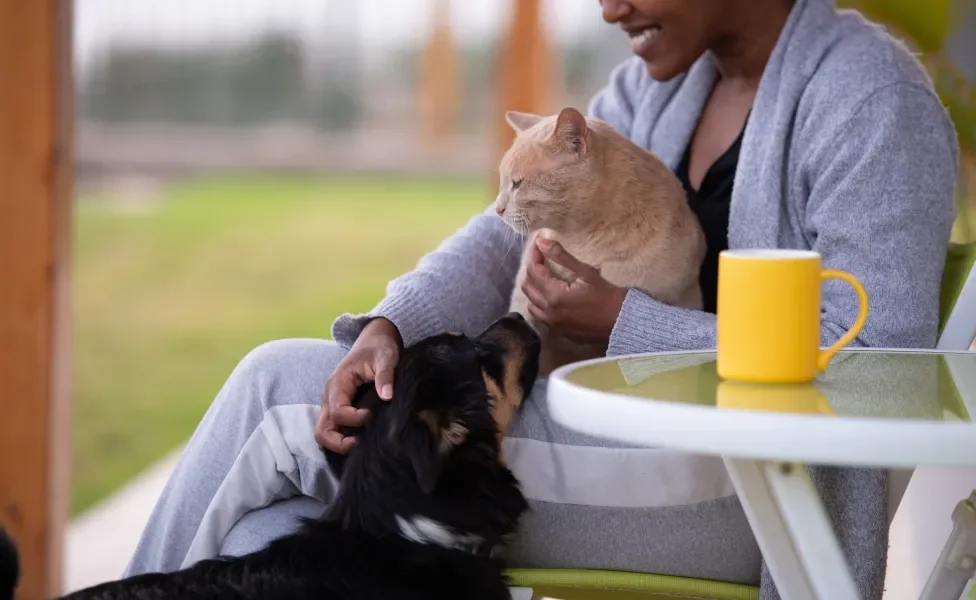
<point x="876" y="384"/>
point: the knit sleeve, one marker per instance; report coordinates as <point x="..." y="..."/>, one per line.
<point x="880" y="206"/>
<point x="463" y="285"/>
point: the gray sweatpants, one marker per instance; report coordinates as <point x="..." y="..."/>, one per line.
<point x="252" y="467"/>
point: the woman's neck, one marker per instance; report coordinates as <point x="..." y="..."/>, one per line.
<point x="742" y="53"/>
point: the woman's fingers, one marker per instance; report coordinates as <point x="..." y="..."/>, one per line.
<point x="334" y="441"/>
<point x="347" y="416"/>
<point x="337" y="410"/>
<point x="555" y="252"/>
<point x="372" y="363"/>
<point x="384" y="362"/>
<point x="535" y="255"/>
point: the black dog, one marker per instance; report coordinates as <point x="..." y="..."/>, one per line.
<point x="423" y="498"/>
<point x="9" y="566"/>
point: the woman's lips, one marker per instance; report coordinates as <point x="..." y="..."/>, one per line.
<point x="641" y="41"/>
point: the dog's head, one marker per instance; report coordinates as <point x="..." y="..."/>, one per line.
<point x="428" y="464"/>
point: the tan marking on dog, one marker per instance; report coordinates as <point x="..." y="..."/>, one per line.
<point x="505" y="399"/>
<point x="513" y="370"/>
<point x="430" y="419"/>
<point x="497" y="403"/>
<point x="452" y="436"/>
<point x="447" y="437"/>
<point x="495" y="396"/>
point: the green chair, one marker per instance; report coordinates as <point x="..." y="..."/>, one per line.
<point x="956" y="332"/>
<point x="957" y="302"/>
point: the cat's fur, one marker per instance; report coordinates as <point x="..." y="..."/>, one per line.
<point x="609" y="203"/>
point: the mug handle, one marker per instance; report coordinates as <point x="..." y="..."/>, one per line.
<point x="862" y="315"/>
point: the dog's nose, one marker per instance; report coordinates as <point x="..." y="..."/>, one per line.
<point x="515" y="315"/>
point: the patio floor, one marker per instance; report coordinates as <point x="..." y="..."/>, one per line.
<point x="112" y="528"/>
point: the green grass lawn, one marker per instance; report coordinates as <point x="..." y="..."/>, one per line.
<point x="168" y="299"/>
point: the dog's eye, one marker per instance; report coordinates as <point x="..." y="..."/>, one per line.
<point x="516" y="183"/>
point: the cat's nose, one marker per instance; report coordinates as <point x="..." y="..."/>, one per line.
<point x="500" y="209"/>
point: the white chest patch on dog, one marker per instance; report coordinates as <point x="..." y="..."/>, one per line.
<point x="423" y="530"/>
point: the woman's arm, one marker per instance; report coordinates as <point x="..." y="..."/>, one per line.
<point x="881" y="206"/>
<point x="463" y="285"/>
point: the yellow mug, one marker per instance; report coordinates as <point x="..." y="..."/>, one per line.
<point x="769" y="315"/>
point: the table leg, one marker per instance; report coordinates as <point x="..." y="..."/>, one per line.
<point x="957" y="563"/>
<point x="792" y="530"/>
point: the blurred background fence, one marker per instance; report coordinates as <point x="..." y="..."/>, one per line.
<point x="169" y="88"/>
<point x="249" y="169"/>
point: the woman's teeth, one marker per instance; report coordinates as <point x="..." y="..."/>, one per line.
<point x="645" y="38"/>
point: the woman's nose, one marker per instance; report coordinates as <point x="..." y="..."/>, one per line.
<point x="615" y="10"/>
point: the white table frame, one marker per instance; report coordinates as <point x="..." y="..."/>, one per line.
<point x="771" y="479"/>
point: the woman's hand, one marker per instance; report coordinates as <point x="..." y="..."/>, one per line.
<point x="372" y="357"/>
<point x="584" y="310"/>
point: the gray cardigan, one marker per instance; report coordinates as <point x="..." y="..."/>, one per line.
<point x="848" y="152"/>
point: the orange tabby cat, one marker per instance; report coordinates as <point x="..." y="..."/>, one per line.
<point x="610" y="203"/>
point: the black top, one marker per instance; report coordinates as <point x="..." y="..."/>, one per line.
<point x="711" y="205"/>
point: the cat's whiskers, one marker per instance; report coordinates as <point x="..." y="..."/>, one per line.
<point x="519" y="229"/>
<point x="520" y="222"/>
<point x="512" y="239"/>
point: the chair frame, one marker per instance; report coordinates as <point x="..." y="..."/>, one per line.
<point x="959" y="329"/>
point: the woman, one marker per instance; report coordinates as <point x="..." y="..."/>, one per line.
<point x="834" y="141"/>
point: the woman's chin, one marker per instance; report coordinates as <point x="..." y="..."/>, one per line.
<point x="665" y="68"/>
<point x="660" y="71"/>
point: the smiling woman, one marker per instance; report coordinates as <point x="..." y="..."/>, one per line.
<point x="835" y="142"/>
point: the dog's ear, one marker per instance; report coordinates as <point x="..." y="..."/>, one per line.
<point x="429" y="442"/>
<point x="336" y="462"/>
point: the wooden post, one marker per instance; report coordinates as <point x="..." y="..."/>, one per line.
<point x="438" y="85"/>
<point x="526" y="70"/>
<point x="35" y="215"/>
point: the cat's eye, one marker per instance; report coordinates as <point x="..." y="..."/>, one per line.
<point x="516" y="183"/>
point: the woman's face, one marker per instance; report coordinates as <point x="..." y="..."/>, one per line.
<point x="670" y="35"/>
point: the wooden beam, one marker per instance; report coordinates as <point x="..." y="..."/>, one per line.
<point x="35" y="213"/>
<point x="439" y="82"/>
<point x="526" y="69"/>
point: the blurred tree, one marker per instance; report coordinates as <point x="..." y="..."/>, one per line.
<point x="266" y="81"/>
<point x="337" y="102"/>
<point x="932" y="27"/>
<point x="260" y="81"/>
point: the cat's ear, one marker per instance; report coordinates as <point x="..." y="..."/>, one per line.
<point x="571" y="129"/>
<point x="520" y="121"/>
